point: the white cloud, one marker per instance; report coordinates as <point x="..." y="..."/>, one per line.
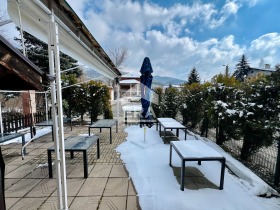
<point x="231" y="7"/>
<point x="251" y="3"/>
<point x="150" y="30"/>
<point x="266" y="47"/>
<point x="162" y="34"/>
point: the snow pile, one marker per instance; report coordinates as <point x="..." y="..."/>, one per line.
<point x="158" y="188"/>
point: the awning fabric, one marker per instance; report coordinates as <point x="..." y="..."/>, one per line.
<point x="75" y="39"/>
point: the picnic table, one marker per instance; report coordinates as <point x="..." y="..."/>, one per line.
<point x="195" y="150"/>
<point x="50" y="124"/>
<point x="104" y="123"/>
<point x="76" y="144"/>
<point x="170" y="123"/>
<point x="9" y="136"/>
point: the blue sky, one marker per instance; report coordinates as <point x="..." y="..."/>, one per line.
<point x="180" y="35"/>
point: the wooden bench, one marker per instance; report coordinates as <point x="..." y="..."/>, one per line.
<point x="76" y="144"/>
<point x="195" y="150"/>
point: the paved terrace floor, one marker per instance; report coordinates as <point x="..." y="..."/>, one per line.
<point x="108" y="186"/>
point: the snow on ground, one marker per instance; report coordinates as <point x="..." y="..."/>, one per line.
<point x="148" y="165"/>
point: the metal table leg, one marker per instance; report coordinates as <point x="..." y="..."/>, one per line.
<point x="50" y="163"/>
<point x="164" y="136"/>
<point x="182" y="175"/>
<point x="170" y="156"/>
<point x="111" y="135"/>
<point x="98" y="149"/>
<point x="85" y="164"/>
<point x="222" y="174"/>
<point x="23" y="143"/>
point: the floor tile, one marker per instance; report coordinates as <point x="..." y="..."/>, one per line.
<point x="43" y="189"/>
<point x="116" y="203"/>
<point x="100" y="170"/>
<point x="10" y="202"/>
<point x="52" y="203"/>
<point x="132" y="203"/>
<point x="116" y="187"/>
<point x="21" y="188"/>
<point x="28" y="203"/>
<point x="21" y="171"/>
<point x="85" y="203"/>
<point x="73" y="186"/>
<point x="93" y="187"/>
<point x="118" y="171"/>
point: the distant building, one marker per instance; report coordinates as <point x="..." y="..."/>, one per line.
<point x="255" y="71"/>
<point x="129" y="85"/>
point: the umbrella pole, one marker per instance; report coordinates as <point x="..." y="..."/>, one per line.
<point x="144" y="133"/>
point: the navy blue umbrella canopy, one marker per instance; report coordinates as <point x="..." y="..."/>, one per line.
<point x="146" y="79"/>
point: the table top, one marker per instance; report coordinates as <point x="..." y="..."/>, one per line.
<point x="195" y="149"/>
<point x="78" y="142"/>
<point x="9" y="136"/>
<point x="166" y="119"/>
<point x="104" y="123"/>
<point x="171" y="124"/>
<point x="50" y="122"/>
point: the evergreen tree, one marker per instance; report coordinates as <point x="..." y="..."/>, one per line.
<point x="275" y="77"/>
<point x="92" y="97"/>
<point x="79" y="98"/>
<point x="192" y="106"/>
<point x="193" y="77"/>
<point x="242" y="68"/>
<point x="67" y="94"/>
<point x="170" y="105"/>
<point x="257" y="111"/>
<point x="37" y="52"/>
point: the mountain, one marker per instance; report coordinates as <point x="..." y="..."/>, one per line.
<point x="164" y="81"/>
<point x="157" y="80"/>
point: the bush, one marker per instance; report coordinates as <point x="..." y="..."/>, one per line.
<point x="170" y="103"/>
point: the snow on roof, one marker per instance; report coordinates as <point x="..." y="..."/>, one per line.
<point x="131" y="75"/>
<point x="129" y="81"/>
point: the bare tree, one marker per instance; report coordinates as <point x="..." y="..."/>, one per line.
<point x="119" y="55"/>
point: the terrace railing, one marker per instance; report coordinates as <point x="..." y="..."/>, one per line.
<point x="16" y="123"/>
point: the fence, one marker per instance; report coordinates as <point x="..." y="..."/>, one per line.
<point x="15" y="123"/>
<point x="263" y="162"/>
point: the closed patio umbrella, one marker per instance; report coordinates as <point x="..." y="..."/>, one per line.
<point x="146" y="79"/>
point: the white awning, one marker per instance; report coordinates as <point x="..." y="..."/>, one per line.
<point x="74" y="38"/>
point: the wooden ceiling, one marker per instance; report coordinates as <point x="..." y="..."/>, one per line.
<point x="16" y="71"/>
